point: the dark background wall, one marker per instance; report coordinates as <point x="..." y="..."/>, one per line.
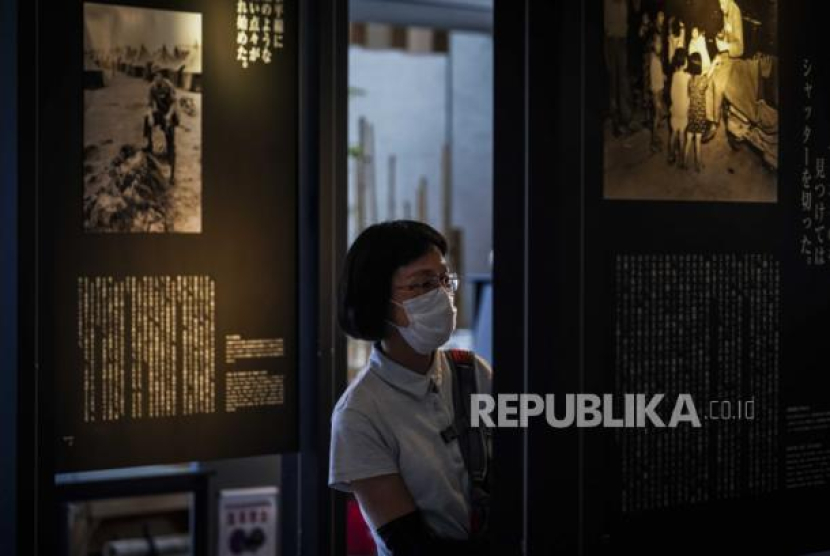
<point x="8" y="275"/>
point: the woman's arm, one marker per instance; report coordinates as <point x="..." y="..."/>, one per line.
<point x="389" y="505"/>
<point x="383" y="498"/>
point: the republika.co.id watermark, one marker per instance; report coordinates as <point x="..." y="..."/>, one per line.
<point x="606" y="410"/>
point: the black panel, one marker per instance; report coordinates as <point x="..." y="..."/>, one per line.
<point x="247" y="244"/>
<point x="509" y="270"/>
<point x="576" y="236"/>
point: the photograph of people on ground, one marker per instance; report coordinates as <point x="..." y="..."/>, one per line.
<point x="692" y="106"/>
<point x="142" y="120"/>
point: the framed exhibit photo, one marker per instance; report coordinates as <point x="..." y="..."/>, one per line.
<point x="171" y="241"/>
<point x="142" y="120"/>
<point x="692" y="109"/>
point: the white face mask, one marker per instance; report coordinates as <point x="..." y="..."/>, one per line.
<point x="431" y="320"/>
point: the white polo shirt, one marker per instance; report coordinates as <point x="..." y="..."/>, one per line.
<point x="389" y="420"/>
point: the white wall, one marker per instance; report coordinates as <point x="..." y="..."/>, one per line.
<point x="405" y="96"/>
<point x="472" y="145"/>
<point x="417" y="103"/>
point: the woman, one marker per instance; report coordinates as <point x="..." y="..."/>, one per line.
<point x="389" y="443"/>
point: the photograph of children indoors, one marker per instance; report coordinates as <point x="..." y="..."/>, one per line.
<point x="694" y="116"/>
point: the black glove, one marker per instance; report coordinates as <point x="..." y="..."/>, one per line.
<point x="408" y="535"/>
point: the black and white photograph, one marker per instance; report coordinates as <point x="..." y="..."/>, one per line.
<point x="692" y="100"/>
<point x="142" y="154"/>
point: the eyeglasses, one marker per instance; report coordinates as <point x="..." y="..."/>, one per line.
<point x="448" y="281"/>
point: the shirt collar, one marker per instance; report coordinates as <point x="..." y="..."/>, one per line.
<point x="398" y="376"/>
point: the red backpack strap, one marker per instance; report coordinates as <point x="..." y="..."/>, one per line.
<point x="462" y="357"/>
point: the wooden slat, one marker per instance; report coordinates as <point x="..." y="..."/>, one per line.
<point x="378" y="36"/>
<point x="357" y="34"/>
<point x="440" y="41"/>
<point x="419" y="40"/>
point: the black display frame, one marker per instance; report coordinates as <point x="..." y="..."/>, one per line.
<point x="35" y="454"/>
<point x="310" y="505"/>
<point x="227" y="90"/>
<point x="571" y="232"/>
<point x="511" y="270"/>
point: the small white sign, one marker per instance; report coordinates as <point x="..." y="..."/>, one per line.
<point x="248" y="522"/>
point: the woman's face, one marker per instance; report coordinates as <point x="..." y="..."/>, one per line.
<point x="695" y="32"/>
<point x="660" y="19"/>
<point x="414" y="279"/>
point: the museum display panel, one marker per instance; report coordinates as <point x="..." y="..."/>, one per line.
<point x="698" y="270"/>
<point x="167" y="212"/>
